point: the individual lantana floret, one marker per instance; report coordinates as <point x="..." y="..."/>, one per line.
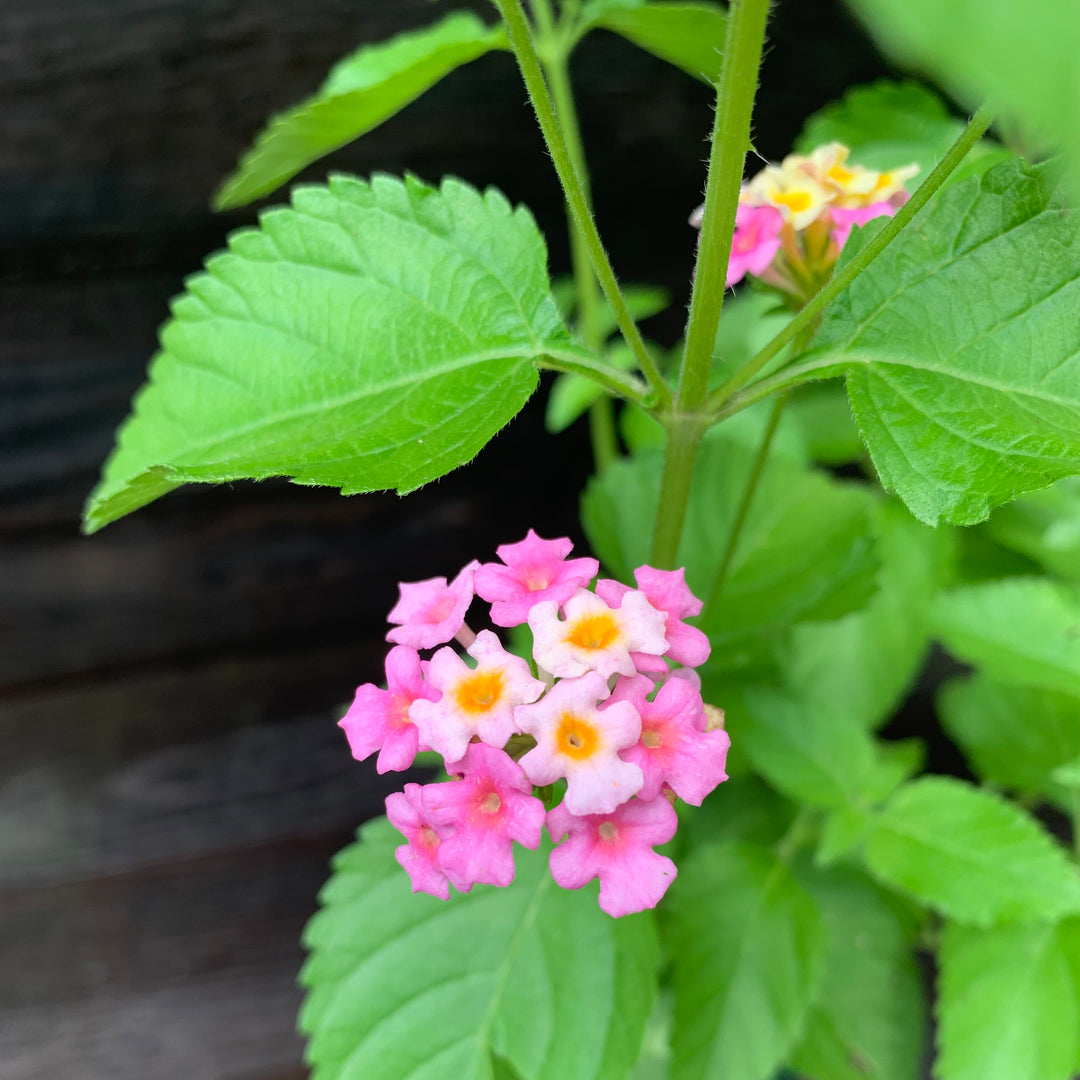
<point x="476" y="701"/>
<point x="484" y="812"/>
<point x="420" y="856"/>
<point x="618" y="849"/>
<point x="431" y="612"/>
<point x="674" y="749"/>
<point x="595" y="636"/>
<point x="580" y="741"/>
<point x="531" y="571"/>
<point x="819" y="199"/>
<point x="624" y="756"/>
<point x="379" y="719"/>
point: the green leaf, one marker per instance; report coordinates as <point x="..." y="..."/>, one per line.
<point x="823" y="414"/>
<point x="1068" y="775"/>
<point x="869" y="1022"/>
<point x="1021" y="631"/>
<point x="1013" y="736"/>
<point x="1023" y="58"/>
<point x="888" y="124"/>
<point x="814" y="755"/>
<point x="688" y="35"/>
<point x="374" y="336"/>
<point x="1008" y="1007"/>
<point x="409" y="986"/>
<point x="805" y="551"/>
<point x="975" y="857"/>
<point x="1045" y="526"/>
<point x="747" y="948"/>
<point x="842" y="830"/>
<point x="962" y="347"/>
<point x="741" y="808"/>
<point x="362" y="91"/>
<point x="863" y="663"/>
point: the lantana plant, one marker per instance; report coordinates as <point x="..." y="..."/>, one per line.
<point x="870" y="446"/>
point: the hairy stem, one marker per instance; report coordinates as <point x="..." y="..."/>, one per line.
<point x="524" y="49"/>
<point x="939" y="174"/>
<point x="730" y="141"/>
<point x="607" y="375"/>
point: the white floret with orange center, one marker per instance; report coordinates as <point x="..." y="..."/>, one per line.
<point x="578" y="740"/>
<point x="476" y="701"/>
<point x="595" y="636"/>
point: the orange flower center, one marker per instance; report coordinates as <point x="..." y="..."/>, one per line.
<point x="576" y="738"/>
<point x="651" y="739"/>
<point x="428" y="836"/>
<point x="479" y="691"/>
<point x="594" y="631"/>
<point x="491" y="803"/>
<point x="795" y="201"/>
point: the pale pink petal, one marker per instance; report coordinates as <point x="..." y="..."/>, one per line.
<point x="616" y="848"/>
<point x="420" y="856"/>
<point x="431" y="612"/>
<point x="533" y="570"/>
<point x="845" y="218"/>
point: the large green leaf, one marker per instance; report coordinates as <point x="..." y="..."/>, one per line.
<point x="863" y="663"/>
<point x="688" y="35"/>
<point x="816" y="755"/>
<point x="747" y="948"/>
<point x="1008" y="1007"/>
<point x="373" y="336"/>
<point x="403" y="986"/>
<point x="805" y="551"/>
<point x="1021" y="631"/>
<point x="1013" y="736"/>
<point x="1045" y="526"/>
<point x="889" y="124"/>
<point x="1023" y="57"/>
<point x="971" y="855"/>
<point x="362" y="91"/>
<point x="869" y="1022"/>
<point x="962" y="347"/>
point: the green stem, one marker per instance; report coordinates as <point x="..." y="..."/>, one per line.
<point x="524" y="49"/>
<point x="822" y="367"/>
<point x="745" y="501"/>
<point x="553" y="52"/>
<point x="730" y="140"/>
<point x="1076" y="823"/>
<point x="939" y="174"/>
<point x="683" y="439"/>
<point x="617" y="382"/>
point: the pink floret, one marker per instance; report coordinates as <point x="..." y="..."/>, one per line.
<point x="420" y="856"/>
<point x="844" y="219"/>
<point x="616" y="848"/>
<point x="531" y="571"/>
<point x="484" y="813"/>
<point x="756" y="241"/>
<point x="379" y="719"/>
<point x="674" y="749"/>
<point x="666" y="591"/>
<point x="431" y="612"/>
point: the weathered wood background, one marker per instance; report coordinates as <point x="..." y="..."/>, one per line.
<point x="171" y="780"/>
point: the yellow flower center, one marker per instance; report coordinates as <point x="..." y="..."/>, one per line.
<point x="575" y="737"/>
<point x="608" y="831"/>
<point x="479" y="691"/>
<point x="795" y="201"/>
<point x="651" y="739"/>
<point x="597" y="631"/>
<point x="841" y="175"/>
<point x="491" y="803"/>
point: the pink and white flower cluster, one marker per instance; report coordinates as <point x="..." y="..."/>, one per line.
<point x="609" y="712"/>
<point x="793" y="218"/>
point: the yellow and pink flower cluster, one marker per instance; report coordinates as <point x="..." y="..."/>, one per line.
<point x="609" y="712"/>
<point x="794" y="218"/>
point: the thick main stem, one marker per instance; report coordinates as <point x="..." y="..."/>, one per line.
<point x="840" y="281"/>
<point x="730" y="141"/>
<point x="521" y="42"/>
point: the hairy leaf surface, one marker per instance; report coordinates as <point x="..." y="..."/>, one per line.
<point x="362" y="91"/>
<point x="962" y="347"/>
<point x="373" y="336"/>
<point x="408" y="986"/>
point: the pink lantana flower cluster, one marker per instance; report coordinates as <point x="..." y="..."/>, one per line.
<point x="608" y="714"/>
<point x="794" y="218"/>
